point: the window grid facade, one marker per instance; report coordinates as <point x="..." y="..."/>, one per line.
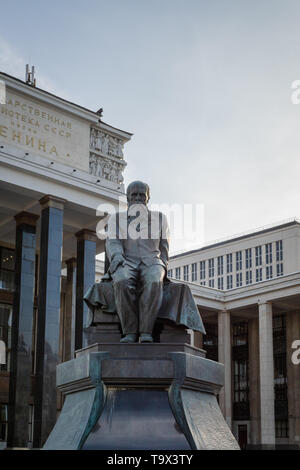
<point x="229" y="263"/>
<point x="248" y="277"/>
<point x="220" y="266"/>
<point x="211" y="267"/>
<point x="258" y="256"/>
<point x="249" y="258"/>
<point x="279" y="251"/>
<point x="186" y="273"/>
<point x="279" y="269"/>
<point x="239" y="279"/>
<point x="269" y="272"/>
<point x="202" y="270"/>
<point x="268" y="253"/>
<point x="229" y="281"/>
<point x="194" y="272"/>
<point x="258" y="274"/>
<point x="238" y="260"/>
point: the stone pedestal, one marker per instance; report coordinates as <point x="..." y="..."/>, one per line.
<point x="140" y="396"/>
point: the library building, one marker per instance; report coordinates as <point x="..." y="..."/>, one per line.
<point x="58" y="162"/>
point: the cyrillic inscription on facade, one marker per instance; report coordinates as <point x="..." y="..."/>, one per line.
<point x="45" y="131"/>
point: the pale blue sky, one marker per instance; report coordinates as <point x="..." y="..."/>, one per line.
<point x="205" y="87"/>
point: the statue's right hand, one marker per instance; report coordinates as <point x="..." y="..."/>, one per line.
<point x="117" y="261"/>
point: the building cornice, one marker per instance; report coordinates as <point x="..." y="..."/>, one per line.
<point x="65" y="105"/>
<point x="266" y="291"/>
<point x="236" y="238"/>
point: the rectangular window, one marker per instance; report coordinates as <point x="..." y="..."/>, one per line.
<point x="268" y="253"/>
<point x="210" y="341"/>
<point x="30" y="423"/>
<point x="229" y="263"/>
<point x="7" y="269"/>
<point x="269" y="272"/>
<point x="170" y="273"/>
<point x="3" y="422"/>
<point x="249" y="258"/>
<point x="248" y="277"/>
<point x="258" y="256"/>
<point x="238" y="260"/>
<point x="5" y="332"/>
<point x="279" y="253"/>
<point x="202" y="270"/>
<point x="258" y="273"/>
<point x="220" y="283"/>
<point x="211" y="283"/>
<point x="279" y="269"/>
<point x="280" y="376"/>
<point x="281" y="428"/>
<point x="194" y="272"/>
<point x="186" y="273"/>
<point x="239" y="281"/>
<point x="202" y="283"/>
<point x="240" y="354"/>
<point x="177" y="273"/>
<point x="220" y="265"/>
<point x="211" y="267"/>
<point x="229" y="281"/>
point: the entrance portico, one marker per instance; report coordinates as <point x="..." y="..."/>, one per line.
<point x="255" y="327"/>
<point x="58" y="163"/>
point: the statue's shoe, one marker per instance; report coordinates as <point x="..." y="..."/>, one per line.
<point x="130" y="338"/>
<point x="146" y="338"/>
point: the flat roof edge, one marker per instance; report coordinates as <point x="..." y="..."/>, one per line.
<point x="236" y="238"/>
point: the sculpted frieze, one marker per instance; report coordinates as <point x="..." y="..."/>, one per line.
<point x="105" y="168"/>
<point x="106" y="144"/>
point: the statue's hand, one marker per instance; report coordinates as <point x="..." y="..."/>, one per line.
<point x="117" y="261"/>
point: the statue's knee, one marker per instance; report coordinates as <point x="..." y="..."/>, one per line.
<point x="153" y="282"/>
<point x="122" y="283"/>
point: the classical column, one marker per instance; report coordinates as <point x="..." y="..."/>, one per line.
<point x="224" y="350"/>
<point x="266" y="369"/>
<point x="69" y="313"/>
<point x="47" y="347"/>
<point x="22" y="321"/>
<point x="85" y="277"/>
<point x="254" y="381"/>
<point x="293" y="375"/>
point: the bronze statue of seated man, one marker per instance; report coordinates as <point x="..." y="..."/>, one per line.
<point x="136" y="284"/>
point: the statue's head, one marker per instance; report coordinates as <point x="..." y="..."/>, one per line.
<point x="138" y="193"/>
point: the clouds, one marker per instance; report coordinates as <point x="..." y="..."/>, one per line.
<point x="205" y="89"/>
<point x="12" y="63"/>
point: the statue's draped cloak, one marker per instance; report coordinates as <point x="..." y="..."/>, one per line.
<point x="178" y="304"/>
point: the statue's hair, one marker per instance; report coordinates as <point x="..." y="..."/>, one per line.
<point x="130" y="186"/>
